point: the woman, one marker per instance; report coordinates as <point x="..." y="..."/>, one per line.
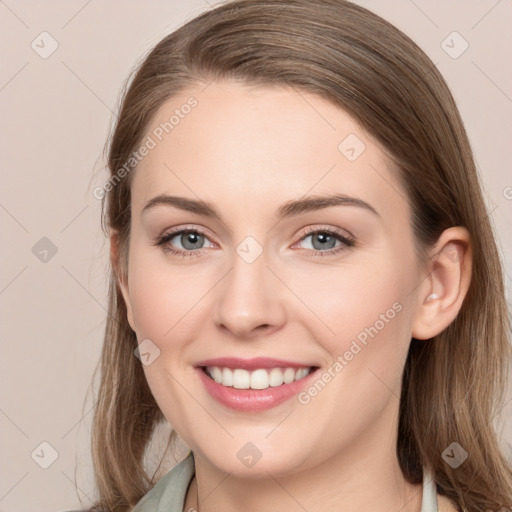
<point x="304" y="268"/>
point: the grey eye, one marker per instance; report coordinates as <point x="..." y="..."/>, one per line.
<point x="321" y="240"/>
<point x="189" y="240"/>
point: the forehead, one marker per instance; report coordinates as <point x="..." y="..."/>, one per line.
<point x="261" y="146"/>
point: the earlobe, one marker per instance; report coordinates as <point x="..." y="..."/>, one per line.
<point x="446" y="284"/>
<point x="121" y="275"/>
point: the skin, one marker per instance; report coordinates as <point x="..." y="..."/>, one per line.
<point x="247" y="150"/>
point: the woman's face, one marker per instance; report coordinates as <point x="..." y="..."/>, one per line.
<point x="330" y="285"/>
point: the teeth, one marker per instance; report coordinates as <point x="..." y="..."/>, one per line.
<point x="241" y="379"/>
<point x="276" y="377"/>
<point x="217" y="374"/>
<point x="257" y="379"/>
<point x="289" y="375"/>
<point x="227" y="377"/>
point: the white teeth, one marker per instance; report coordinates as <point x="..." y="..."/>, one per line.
<point x="241" y="379"/>
<point x="217" y="374"/>
<point x="276" y="377"/>
<point x="289" y="375"/>
<point x="300" y="373"/>
<point x="257" y="379"/>
<point x="227" y="377"/>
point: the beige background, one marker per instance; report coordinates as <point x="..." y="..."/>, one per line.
<point x="55" y="115"/>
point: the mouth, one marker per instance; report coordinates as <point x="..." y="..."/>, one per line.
<point x="261" y="378"/>
<point x="253" y="384"/>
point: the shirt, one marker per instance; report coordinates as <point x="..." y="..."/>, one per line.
<point x="168" y="495"/>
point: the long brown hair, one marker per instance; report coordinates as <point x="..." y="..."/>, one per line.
<point x="453" y="384"/>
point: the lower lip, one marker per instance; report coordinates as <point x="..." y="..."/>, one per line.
<point x="252" y="399"/>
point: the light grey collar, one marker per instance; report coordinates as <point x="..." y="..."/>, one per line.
<point x="429" y="501"/>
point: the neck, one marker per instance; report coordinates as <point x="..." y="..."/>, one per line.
<point x="366" y="478"/>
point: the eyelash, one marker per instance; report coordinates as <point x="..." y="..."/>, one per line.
<point x="346" y="241"/>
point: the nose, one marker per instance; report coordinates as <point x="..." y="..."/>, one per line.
<point x="249" y="300"/>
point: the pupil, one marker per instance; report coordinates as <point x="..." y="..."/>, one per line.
<point x="324" y="239"/>
<point x="192" y="240"/>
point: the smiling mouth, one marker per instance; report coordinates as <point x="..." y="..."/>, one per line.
<point x="262" y="378"/>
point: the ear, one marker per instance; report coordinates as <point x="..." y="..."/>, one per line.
<point x="121" y="273"/>
<point x="443" y="290"/>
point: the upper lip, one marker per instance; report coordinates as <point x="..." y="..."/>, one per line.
<point x="251" y="364"/>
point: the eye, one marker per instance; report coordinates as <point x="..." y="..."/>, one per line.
<point x="188" y="242"/>
<point x="326" y="241"/>
<point x="184" y="242"/>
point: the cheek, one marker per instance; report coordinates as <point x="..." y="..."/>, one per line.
<point x="166" y="305"/>
<point x="153" y="302"/>
<point x="359" y="312"/>
<point x="165" y="298"/>
<point x="362" y="321"/>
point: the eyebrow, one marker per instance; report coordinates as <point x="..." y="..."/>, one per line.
<point x="288" y="209"/>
